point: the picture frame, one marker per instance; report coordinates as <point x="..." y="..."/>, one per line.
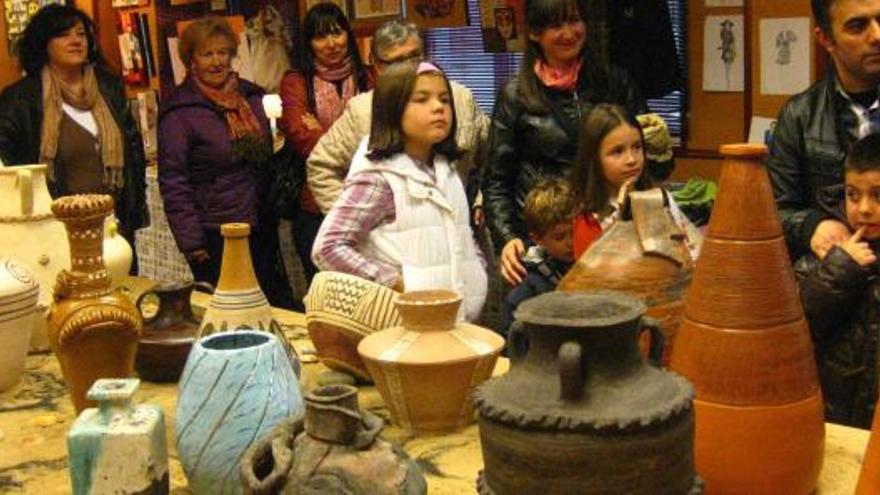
<point x="376" y="9"/>
<point x="305" y="5"/>
<point x="437" y="13"/>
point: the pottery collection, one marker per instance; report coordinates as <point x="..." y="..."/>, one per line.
<point x="341" y="310"/>
<point x="426" y="369"/>
<point x="335" y="449"/>
<point x="643" y="254"/>
<point x="19" y="292"/>
<point x="169" y="334"/>
<point x="745" y="345"/>
<point x="582" y="412"/>
<point x="118" y="448"/>
<point x="92" y="329"/>
<point x="238" y="302"/>
<point x="236" y="387"/>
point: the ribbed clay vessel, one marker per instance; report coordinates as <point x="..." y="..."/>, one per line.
<point x="582" y="412"/>
<point x="745" y="345"/>
<point x="643" y="254"/>
<point x="427" y="369"/>
<point x="869" y="478"/>
<point x="92" y="329"/>
<point x="238" y="302"/>
<point x="18" y="305"/>
<point x="341" y="310"/>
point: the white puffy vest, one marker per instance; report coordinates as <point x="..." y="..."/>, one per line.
<point x="430" y="238"/>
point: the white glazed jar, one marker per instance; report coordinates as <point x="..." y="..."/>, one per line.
<point x="117" y="252"/>
<point x="19" y="291"/>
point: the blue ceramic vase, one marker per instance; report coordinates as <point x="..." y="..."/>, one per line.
<point x="235" y="387"/>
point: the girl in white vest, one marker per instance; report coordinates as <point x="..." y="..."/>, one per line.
<point x="403" y="218"/>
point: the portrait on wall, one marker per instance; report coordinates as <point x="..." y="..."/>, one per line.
<point x="17" y="14"/>
<point x="785" y="55"/>
<point x="270" y="45"/>
<point x="437" y="13"/>
<point x="723" y="48"/>
<point x="367" y="9"/>
<point x="308" y="4"/>
<point x="503" y="25"/>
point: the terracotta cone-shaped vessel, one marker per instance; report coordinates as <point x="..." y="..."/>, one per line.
<point x="745" y="345"/>
<point x="238" y="302"/>
<point x="869" y="479"/>
<point x="93" y="330"/>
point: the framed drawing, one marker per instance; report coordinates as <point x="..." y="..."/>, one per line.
<point x="503" y="25"/>
<point x="437" y="13"/>
<point x="370" y="9"/>
<point x="18" y="13"/>
<point x="305" y="5"/>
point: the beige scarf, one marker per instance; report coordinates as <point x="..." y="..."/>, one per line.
<point x="56" y="91"/>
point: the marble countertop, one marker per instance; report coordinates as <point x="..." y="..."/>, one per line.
<point x="36" y="414"/>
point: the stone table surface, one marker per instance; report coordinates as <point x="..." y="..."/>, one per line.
<point x="36" y="414"/>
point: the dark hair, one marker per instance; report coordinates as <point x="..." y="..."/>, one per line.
<point x="540" y="16"/>
<point x="864" y="156"/>
<point x="48" y="23"/>
<point x="321" y="20"/>
<point x="393" y="91"/>
<point x="548" y="204"/>
<point x="822" y="14"/>
<point x="587" y="178"/>
<point x="200" y="31"/>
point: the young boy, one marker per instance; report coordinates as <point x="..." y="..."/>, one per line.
<point x="841" y="293"/>
<point x="548" y="212"/>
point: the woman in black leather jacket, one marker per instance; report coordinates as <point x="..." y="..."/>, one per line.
<point x="537" y="115"/>
<point x="71" y="114"/>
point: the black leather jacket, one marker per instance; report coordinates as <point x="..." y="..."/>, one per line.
<point x="525" y="147"/>
<point x="21" y="117"/>
<point x="842" y="303"/>
<point x="807" y="154"/>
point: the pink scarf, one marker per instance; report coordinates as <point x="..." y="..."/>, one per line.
<point x="328" y="102"/>
<point x="560" y="78"/>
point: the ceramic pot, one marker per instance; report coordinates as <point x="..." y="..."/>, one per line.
<point x="339" y="452"/>
<point x="238" y="302"/>
<point x="582" y="412"/>
<point x="745" y="345"/>
<point x="92" y="329"/>
<point x="869" y="478"/>
<point x="236" y="387"/>
<point x="427" y="369"/>
<point x="117" y="253"/>
<point x="19" y="292"/>
<point x="341" y="310"/>
<point x="40" y="242"/>
<point x="119" y="447"/>
<point x="643" y="254"/>
<point x="169" y="334"/>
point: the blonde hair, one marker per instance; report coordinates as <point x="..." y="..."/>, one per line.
<point x="200" y="31"/>
<point x="548" y="204"/>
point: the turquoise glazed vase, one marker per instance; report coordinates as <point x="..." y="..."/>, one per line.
<point x="235" y="387"/>
<point x="118" y="448"/>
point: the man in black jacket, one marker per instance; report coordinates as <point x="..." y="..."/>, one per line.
<point x="816" y="128"/>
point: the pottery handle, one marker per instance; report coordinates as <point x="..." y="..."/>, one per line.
<point x="25" y="186"/>
<point x="204" y="286"/>
<point x="571" y="380"/>
<point x="658" y="340"/>
<point x="140" y="299"/>
<point x="517" y="342"/>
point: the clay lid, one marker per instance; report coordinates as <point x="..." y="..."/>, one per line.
<point x="235" y="229"/>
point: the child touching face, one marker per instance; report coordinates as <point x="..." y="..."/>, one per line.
<point x="862" y="214"/>
<point x="403" y="219"/>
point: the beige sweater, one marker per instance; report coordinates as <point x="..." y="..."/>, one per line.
<point x="328" y="163"/>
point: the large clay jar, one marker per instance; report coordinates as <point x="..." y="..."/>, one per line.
<point x="236" y="387"/>
<point x="169" y="334"/>
<point x="643" y="254"/>
<point x="745" y="345"/>
<point x="339" y="452"/>
<point x="342" y="309"/>
<point x="92" y="329"/>
<point x="19" y="291"/>
<point x="31" y="235"/>
<point x="427" y="369"/>
<point x="238" y="302"/>
<point x="582" y="412"/>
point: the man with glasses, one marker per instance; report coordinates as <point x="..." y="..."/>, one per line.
<point x="328" y="163"/>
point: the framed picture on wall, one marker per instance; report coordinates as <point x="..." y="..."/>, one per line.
<point x="370" y="9"/>
<point x="184" y="2"/>
<point x="437" y="13"/>
<point x="305" y="5"/>
<point x="18" y="13"/>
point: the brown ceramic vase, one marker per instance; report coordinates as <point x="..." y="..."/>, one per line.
<point x="582" y="412"/>
<point x="238" y="302"/>
<point x="427" y="369"/>
<point x="168" y="335"/>
<point x="341" y="310"/>
<point x="93" y="331"/>
<point x="335" y="449"/>
<point x="643" y="254"/>
<point x="745" y="345"/>
<point x="869" y="478"/>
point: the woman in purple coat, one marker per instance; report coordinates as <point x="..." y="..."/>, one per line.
<point x="213" y="147"/>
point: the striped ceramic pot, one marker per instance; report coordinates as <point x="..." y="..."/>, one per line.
<point x="19" y="291"/>
<point x="427" y="369"/>
<point x="235" y="387"/>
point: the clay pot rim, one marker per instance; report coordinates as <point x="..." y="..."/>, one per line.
<point x="530" y="311"/>
<point x="336" y="392"/>
<point x="269" y="338"/>
<point x="422" y="297"/>
<point x="235" y="229"/>
<point x="9" y="169"/>
<point x="433" y="364"/>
